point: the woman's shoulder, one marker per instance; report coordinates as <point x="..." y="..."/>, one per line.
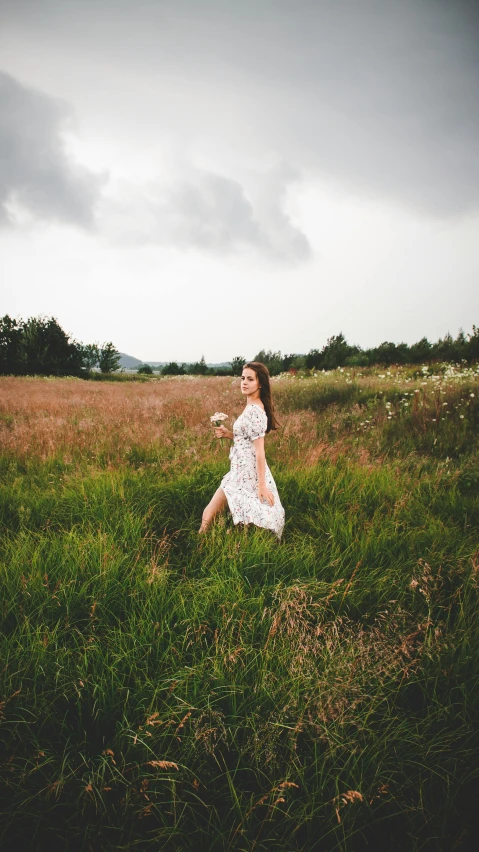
<point x="255" y="413"/>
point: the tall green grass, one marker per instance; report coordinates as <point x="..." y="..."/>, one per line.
<point x="231" y="693"/>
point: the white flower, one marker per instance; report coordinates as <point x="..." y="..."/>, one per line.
<point x="461" y="416"/>
<point x="218" y="417"/>
<point x="471" y="394"/>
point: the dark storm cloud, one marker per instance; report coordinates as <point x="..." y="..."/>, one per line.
<point x="35" y="172"/>
<point x="204" y="210"/>
<point x="379" y="96"/>
<point x="214" y="213"/>
<point x="209" y="212"/>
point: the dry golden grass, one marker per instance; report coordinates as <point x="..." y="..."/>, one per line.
<point x="44" y="417"/>
<point x="168" y="420"/>
<point x="74" y="419"/>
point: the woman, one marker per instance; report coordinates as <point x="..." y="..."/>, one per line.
<point x="249" y="489"/>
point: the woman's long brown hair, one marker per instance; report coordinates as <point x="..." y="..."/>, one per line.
<point x="264" y="391"/>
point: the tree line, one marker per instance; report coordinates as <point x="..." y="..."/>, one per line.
<point x="39" y="346"/>
<point x="337" y="352"/>
<point x="197" y="368"/>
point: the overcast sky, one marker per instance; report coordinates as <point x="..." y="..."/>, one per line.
<point x="188" y="177"/>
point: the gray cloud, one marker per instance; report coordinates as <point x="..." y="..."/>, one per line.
<point x="379" y="96"/>
<point x="207" y="211"/>
<point x="199" y="209"/>
<point x="35" y="171"/>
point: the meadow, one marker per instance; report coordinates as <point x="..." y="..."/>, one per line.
<point x="164" y="692"/>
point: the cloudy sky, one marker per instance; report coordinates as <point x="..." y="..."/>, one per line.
<point x="190" y="177"/>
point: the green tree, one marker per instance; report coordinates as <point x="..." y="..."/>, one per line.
<point x="173" y="369"/>
<point x="10" y="346"/>
<point x="199" y="368"/>
<point x="237" y="364"/>
<point x="314" y="360"/>
<point x="420" y="352"/>
<point x="298" y="362"/>
<point x="386" y="353"/>
<point x="108" y="358"/>
<point x="272" y="360"/>
<point x="445" y="349"/>
<point x="47" y="350"/>
<point x="287" y="362"/>
<point x="145" y="370"/>
<point x="473" y="344"/>
<point x="336" y="351"/>
<point x="360" y="359"/>
<point x="91" y="355"/>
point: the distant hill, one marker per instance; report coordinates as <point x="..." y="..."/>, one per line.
<point x="128" y="362"/>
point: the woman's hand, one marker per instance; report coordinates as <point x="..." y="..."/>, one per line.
<point x="222" y="432"/>
<point x="265" y="495"/>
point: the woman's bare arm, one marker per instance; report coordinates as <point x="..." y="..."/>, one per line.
<point x="263" y="491"/>
<point x="223" y="432"/>
<point x="260" y="460"/>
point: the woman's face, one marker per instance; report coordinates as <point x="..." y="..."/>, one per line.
<point x="249" y="381"/>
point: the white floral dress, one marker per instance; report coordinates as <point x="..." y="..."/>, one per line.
<point x="241" y="483"/>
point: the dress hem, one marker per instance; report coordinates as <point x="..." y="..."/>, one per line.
<point x="241" y="520"/>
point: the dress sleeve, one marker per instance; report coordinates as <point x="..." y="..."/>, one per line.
<point x="256" y="424"/>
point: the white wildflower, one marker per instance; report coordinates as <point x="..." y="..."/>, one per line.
<point x="218" y="418"/>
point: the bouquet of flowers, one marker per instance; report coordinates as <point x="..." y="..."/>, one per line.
<point x="218" y="418"/>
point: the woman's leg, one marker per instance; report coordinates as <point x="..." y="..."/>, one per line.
<point x="217" y="503"/>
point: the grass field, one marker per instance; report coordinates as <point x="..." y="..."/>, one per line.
<point x="159" y="692"/>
